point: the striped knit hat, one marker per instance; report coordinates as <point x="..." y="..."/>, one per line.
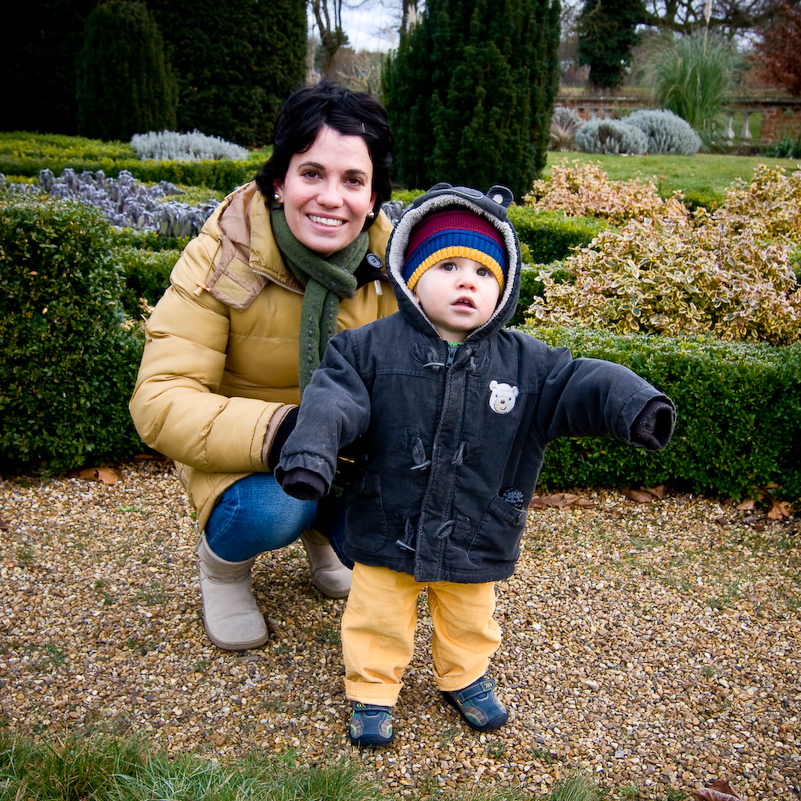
<point x="452" y="233"/>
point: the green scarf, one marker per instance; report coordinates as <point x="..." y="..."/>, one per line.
<point x="326" y="282"/>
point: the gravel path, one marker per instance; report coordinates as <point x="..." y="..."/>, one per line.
<point x="650" y="645"/>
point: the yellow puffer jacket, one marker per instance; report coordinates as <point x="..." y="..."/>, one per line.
<point x="220" y="366"/>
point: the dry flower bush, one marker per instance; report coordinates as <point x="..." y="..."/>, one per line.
<point x="584" y="190"/>
<point x="727" y="274"/>
<point x="770" y="203"/>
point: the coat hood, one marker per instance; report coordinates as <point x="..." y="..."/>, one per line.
<point x="492" y="207"/>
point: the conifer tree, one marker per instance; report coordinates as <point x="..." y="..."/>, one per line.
<point x="470" y="93"/>
<point x="124" y="81"/>
<point x="37" y="72"/>
<point x="235" y="62"/>
<point x="607" y="33"/>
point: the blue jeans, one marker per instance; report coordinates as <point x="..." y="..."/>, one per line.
<point x="255" y="515"/>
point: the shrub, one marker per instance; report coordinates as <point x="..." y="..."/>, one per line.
<point x="36" y="147"/>
<point x="195" y="146"/>
<point x="667" y="134"/>
<point x="564" y="124"/>
<point x="147" y="276"/>
<point x="699" y="199"/>
<point x="125" y="201"/>
<point x="676" y="279"/>
<point x="531" y="286"/>
<point x="125" y="84"/>
<point x="769" y="204"/>
<point x="779" y="49"/>
<point x="611" y="137"/>
<point x="607" y="33"/>
<point x="470" y="92"/>
<point x="739" y="416"/>
<point x="585" y="190"/>
<point x="69" y="362"/>
<point x="29" y="154"/>
<point x="235" y="63"/>
<point x="551" y="235"/>
<point x="787" y="147"/>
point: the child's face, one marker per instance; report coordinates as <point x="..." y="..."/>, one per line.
<point x="457" y="295"/>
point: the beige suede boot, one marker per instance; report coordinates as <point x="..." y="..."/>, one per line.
<point x="328" y="574"/>
<point x="232" y="618"/>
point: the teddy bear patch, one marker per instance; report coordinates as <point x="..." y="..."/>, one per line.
<point x="502" y="397"/>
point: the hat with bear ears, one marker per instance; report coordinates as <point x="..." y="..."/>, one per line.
<point x="456" y="232"/>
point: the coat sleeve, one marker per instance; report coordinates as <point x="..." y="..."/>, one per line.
<point x="176" y="406"/>
<point x="597" y="398"/>
<point x="334" y="411"/>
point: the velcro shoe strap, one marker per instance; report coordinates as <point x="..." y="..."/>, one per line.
<point x="480" y="687"/>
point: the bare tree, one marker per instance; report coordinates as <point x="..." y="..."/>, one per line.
<point x="730" y="17"/>
<point x="328" y="17"/>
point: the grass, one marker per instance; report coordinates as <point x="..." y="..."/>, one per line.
<point x="704" y="174"/>
<point x="127" y="769"/>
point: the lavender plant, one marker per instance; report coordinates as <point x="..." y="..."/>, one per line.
<point x="667" y="133"/>
<point x="611" y="136"/>
<point x="127" y="202"/>
<point x="173" y="146"/>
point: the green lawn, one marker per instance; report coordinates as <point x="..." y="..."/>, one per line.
<point x="704" y="174"/>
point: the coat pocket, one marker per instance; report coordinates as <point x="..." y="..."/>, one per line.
<point x="365" y="519"/>
<point x="497" y="538"/>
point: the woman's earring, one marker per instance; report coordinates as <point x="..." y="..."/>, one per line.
<point x="371" y="215"/>
<point x="277" y="196"/>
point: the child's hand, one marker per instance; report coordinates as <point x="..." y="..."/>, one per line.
<point x="653" y="427"/>
<point x="305" y="485"/>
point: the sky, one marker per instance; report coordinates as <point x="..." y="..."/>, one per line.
<point x="368" y="27"/>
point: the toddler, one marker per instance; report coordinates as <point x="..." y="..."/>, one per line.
<point x="452" y="414"/>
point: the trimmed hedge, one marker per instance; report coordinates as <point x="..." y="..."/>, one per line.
<point x="69" y="360"/>
<point x="147" y="276"/>
<point x="550" y="235"/>
<point x="213" y="174"/>
<point x="25" y="154"/>
<point x="739" y="416"/>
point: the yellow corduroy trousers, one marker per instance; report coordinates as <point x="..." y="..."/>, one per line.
<point x="379" y="624"/>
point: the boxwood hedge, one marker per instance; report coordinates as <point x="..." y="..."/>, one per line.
<point x="69" y="361"/>
<point x="739" y="416"/>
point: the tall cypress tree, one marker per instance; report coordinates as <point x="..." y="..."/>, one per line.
<point x="235" y="62"/>
<point x="125" y="85"/>
<point x="470" y="93"/>
<point x="607" y="33"/>
<point x="37" y="71"/>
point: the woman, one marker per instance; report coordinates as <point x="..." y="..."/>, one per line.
<point x="283" y="264"/>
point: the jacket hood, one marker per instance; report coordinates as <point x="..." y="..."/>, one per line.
<point x="492" y="207"/>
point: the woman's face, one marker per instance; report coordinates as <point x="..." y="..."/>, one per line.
<point x="327" y="192"/>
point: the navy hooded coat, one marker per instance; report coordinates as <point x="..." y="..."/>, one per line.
<point x="453" y="438"/>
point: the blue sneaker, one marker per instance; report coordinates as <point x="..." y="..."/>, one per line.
<point x="478" y="705"/>
<point x="371" y="725"/>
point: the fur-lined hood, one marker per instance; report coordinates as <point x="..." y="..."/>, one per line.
<point x="492" y="207"/>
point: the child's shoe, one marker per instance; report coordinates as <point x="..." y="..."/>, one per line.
<point x="478" y="705"/>
<point x="371" y="725"/>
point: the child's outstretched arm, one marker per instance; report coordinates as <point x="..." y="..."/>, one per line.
<point x="595" y="397"/>
<point x="335" y="409"/>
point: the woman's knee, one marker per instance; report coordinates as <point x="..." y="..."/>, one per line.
<point x="254" y="515"/>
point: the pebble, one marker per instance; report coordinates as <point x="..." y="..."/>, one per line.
<point x="649" y="645"/>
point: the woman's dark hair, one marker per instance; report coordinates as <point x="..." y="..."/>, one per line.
<point x="349" y="113"/>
